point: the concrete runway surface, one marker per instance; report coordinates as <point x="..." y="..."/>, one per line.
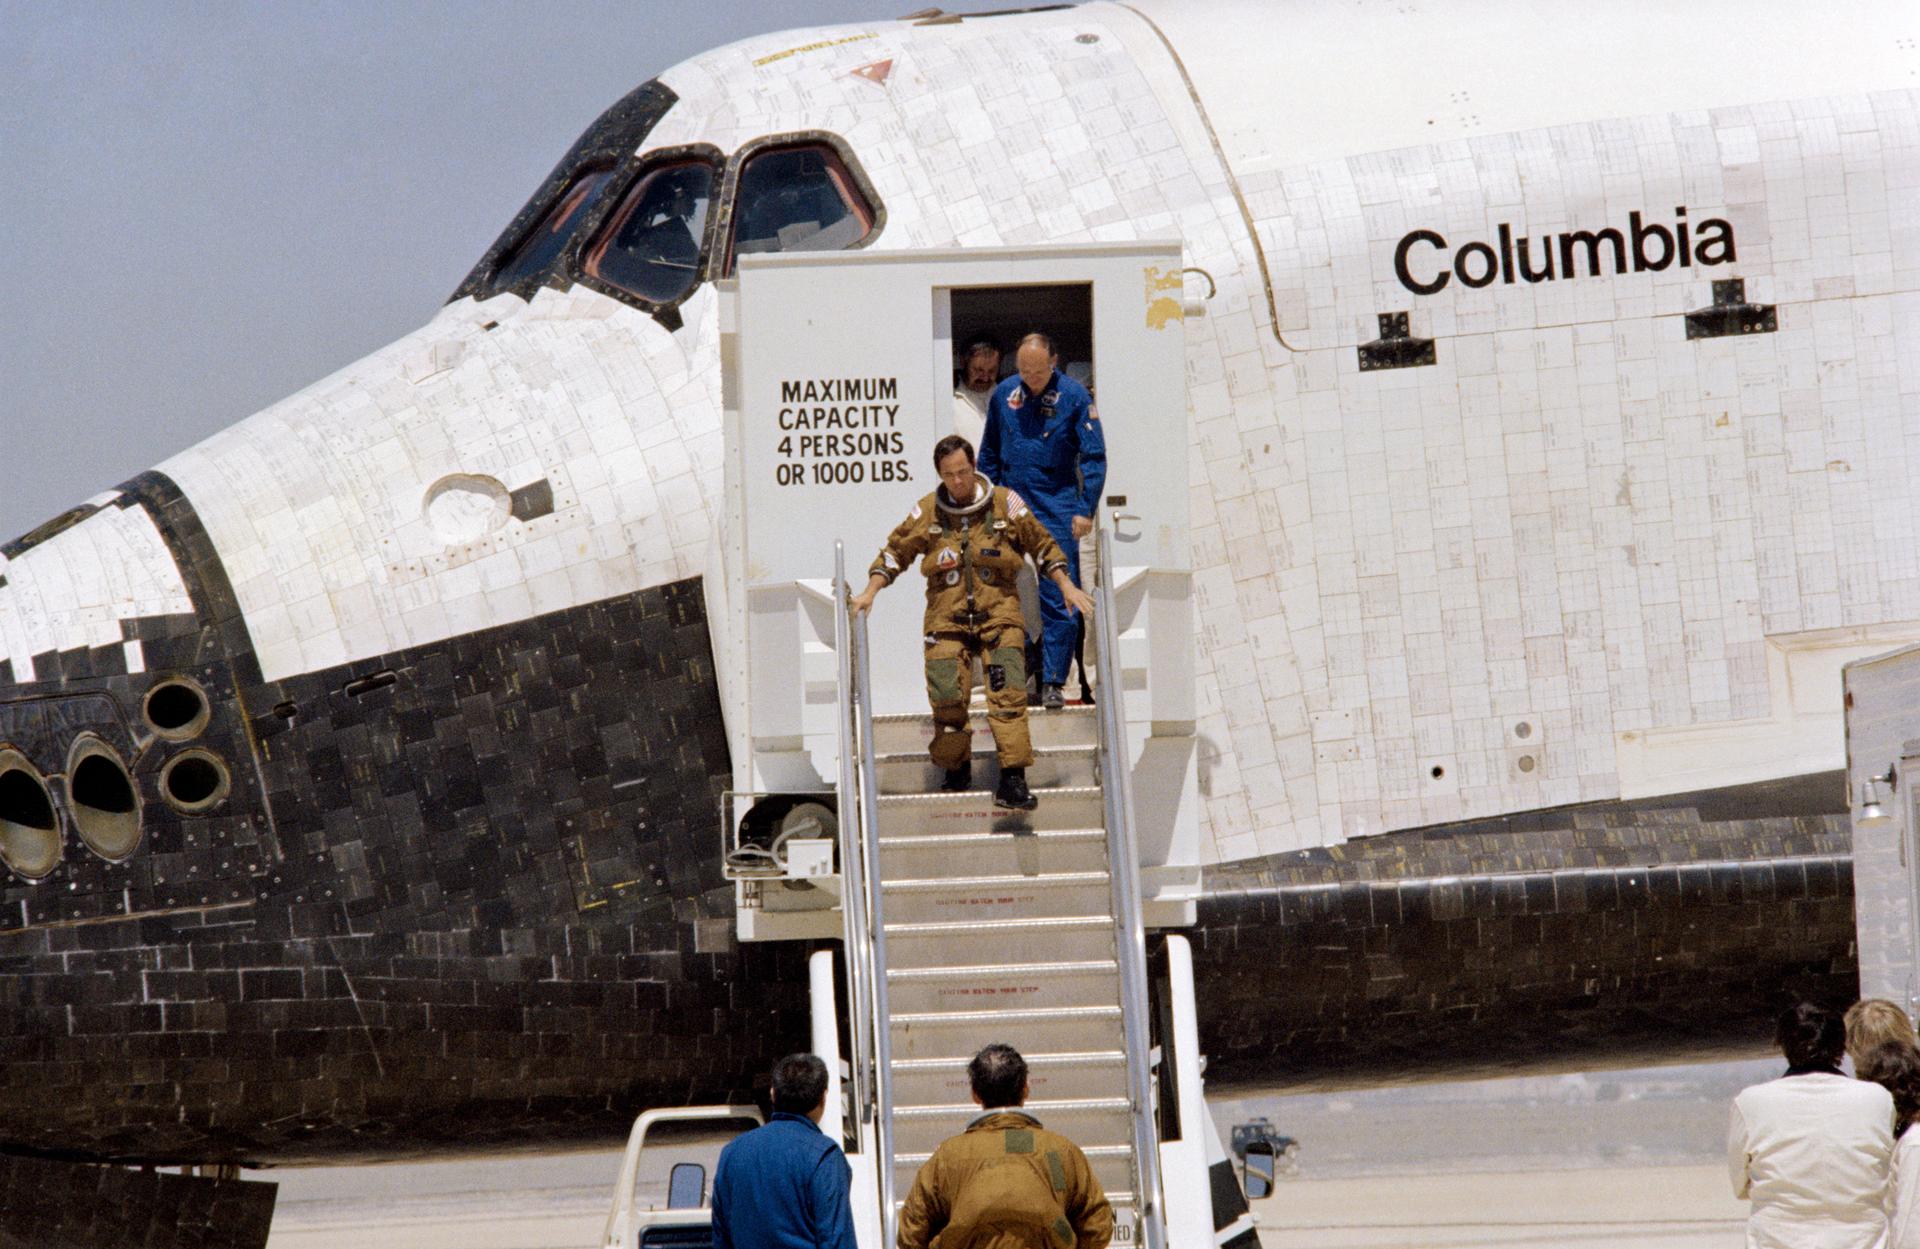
<point x="1624" y="1160"/>
<point x="541" y="1203"/>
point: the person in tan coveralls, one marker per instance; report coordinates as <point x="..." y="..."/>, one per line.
<point x="971" y="538"/>
<point x="1006" y="1182"/>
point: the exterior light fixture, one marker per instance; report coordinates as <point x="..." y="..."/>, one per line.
<point x="1871" y="812"/>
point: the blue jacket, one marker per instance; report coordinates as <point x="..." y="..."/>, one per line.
<point x="1048" y="448"/>
<point x="782" y="1186"/>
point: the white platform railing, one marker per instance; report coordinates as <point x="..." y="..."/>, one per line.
<point x="1123" y="856"/>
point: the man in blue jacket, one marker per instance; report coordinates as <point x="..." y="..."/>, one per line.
<point x="784" y="1184"/>
<point x="1043" y="441"/>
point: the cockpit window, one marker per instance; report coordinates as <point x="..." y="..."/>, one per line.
<point x="797" y="199"/>
<point x="605" y="147"/>
<point x="534" y="255"/>
<point x="651" y="246"/>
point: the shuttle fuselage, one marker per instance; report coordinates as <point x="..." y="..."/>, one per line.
<point x="400" y="695"/>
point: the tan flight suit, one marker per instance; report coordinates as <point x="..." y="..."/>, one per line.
<point x="972" y="559"/>
<point x="1006" y="1183"/>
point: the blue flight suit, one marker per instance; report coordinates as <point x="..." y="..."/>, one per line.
<point x="1048" y="449"/>
<point x="782" y="1186"/>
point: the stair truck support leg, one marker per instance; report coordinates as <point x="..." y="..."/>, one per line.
<point x="822" y="985"/>
<point x="1205" y="1205"/>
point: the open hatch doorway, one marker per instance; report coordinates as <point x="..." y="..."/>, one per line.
<point x="986" y="325"/>
<point x="1000" y="316"/>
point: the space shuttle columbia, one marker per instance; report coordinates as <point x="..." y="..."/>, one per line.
<point x="1512" y="416"/>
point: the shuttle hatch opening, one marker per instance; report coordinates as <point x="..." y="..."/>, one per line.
<point x="29" y="827"/>
<point x="1003" y="315"/>
<point x="105" y="805"/>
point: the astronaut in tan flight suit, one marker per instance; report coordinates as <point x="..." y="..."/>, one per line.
<point x="971" y="553"/>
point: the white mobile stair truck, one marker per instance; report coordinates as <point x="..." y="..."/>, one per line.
<point x="944" y="923"/>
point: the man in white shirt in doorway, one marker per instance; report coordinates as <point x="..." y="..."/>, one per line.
<point x="979" y="373"/>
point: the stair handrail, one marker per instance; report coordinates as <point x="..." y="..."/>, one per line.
<point x="857" y="939"/>
<point x="869" y="785"/>
<point x="1123" y="858"/>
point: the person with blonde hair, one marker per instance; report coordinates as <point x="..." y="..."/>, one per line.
<point x="1871" y="1023"/>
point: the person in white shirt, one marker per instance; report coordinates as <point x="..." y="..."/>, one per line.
<point x="979" y="374"/>
<point x="1812" y="1150"/>
<point x="1895" y="1066"/>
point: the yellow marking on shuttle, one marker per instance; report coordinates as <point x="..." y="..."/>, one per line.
<point x="814" y="47"/>
<point x="158" y="913"/>
<point x="1162" y="310"/>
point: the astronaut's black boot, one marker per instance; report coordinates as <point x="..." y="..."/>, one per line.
<point x="958" y="780"/>
<point x="1053" y="698"/>
<point x="1013" y="793"/>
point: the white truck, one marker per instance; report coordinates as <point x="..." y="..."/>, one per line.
<point x="663" y="1198"/>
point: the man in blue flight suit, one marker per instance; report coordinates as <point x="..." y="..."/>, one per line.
<point x="784" y="1185"/>
<point x="1043" y="441"/>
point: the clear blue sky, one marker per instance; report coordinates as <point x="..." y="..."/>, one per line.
<point x="206" y="206"/>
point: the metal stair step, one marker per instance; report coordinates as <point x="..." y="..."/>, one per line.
<point x="1073" y="939"/>
<point x="987" y="898"/>
<point x="1038" y="1108"/>
<point x="1120" y="1201"/>
<point x="1018" y="1014"/>
<point x="995" y="854"/>
<point x="947" y="1034"/>
<point x="899" y="815"/>
<point x="1093" y="1127"/>
<point x="931" y="884"/>
<point x="909" y="731"/>
<point x="1085" y="1073"/>
<point x="1053" y="767"/>
<point x="1112" y="1165"/>
<point x="1092" y="982"/>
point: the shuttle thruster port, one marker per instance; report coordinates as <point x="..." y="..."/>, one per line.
<point x="29" y="824"/>
<point x="102" y="798"/>
<point x="177" y="709"/>
<point x="195" y="781"/>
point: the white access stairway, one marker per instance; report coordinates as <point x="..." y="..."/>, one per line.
<point x="967" y="924"/>
<point x="1000" y="928"/>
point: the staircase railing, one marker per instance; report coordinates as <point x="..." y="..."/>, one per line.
<point x="1123" y="856"/>
<point x="866" y="937"/>
<point x="853" y="860"/>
